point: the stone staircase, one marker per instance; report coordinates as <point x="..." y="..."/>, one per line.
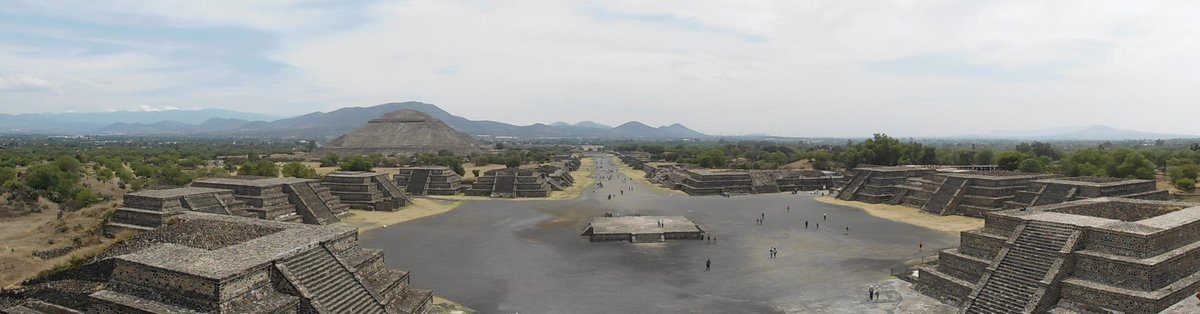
<point x="418" y="181"/>
<point x="205" y="203"/>
<point x="647" y="238"/>
<point x="330" y="286"/>
<point x="1054" y="194"/>
<point x="311" y="206"/>
<point x="943" y="200"/>
<point x="390" y="189"/>
<point x="1026" y="269"/>
<point x="505" y="186"/>
<point x="848" y="191"/>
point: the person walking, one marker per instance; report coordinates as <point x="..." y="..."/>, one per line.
<point x="825" y="217"/>
<point x="806" y="224"/>
<point x="847" y="230"/>
<point x="871" y="293"/>
<point x="818" y="226"/>
<point x="789" y="208"/>
<point x="708" y="264"/>
<point x="921" y="246"/>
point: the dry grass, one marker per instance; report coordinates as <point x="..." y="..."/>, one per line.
<point x="21" y="236"/>
<point x="952" y="224"/>
<point x="1163" y="182"/>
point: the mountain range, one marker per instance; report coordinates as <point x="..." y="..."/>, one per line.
<point x="96" y="122"/>
<point x="1081" y="133"/>
<point x="317" y="124"/>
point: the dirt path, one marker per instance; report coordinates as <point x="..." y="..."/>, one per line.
<point x="912" y="216"/>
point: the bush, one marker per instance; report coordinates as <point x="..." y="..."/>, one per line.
<point x="86" y="197"/>
<point x="332" y="160"/>
<point x="261" y="167"/>
<point x="1185" y="184"/>
<point x="357" y="163"/>
<point x="299" y="170"/>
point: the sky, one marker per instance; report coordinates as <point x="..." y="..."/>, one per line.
<point x="788" y="68"/>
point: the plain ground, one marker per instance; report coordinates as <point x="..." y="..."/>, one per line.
<point x="502" y="256"/>
<point x="913" y="216"/>
<point x="420" y="208"/>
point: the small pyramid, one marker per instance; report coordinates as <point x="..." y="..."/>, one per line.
<point x="404" y="132"/>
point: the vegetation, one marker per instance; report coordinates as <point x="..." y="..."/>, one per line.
<point x="55" y="168"/>
<point x="357" y="163"/>
<point x="1132" y="159"/>
<point x="261" y="167"/>
<point x="299" y="170"/>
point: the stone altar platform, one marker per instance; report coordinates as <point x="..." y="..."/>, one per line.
<point x="641" y="229"/>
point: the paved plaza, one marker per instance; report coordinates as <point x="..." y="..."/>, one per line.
<point x="500" y="256"/>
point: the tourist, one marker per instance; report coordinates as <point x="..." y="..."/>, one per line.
<point x="707" y="264"/>
<point x="789" y="208"/>
<point x="806" y="224"/>
<point x="871" y="293"/>
<point x="847" y="230"/>
<point x="818" y="226"/>
<point x="921" y="246"/>
<point x="825" y="216"/>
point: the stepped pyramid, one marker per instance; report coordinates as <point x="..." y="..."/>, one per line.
<point x="403" y="132"/>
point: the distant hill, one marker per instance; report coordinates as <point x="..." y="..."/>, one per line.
<point x="345" y="120"/>
<point x="94" y="122"/>
<point x="1089" y="133"/>
<point x="592" y="125"/>
<point x="314" y="125"/>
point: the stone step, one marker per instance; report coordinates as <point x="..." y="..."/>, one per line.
<point x="330" y="284"/>
<point x="1005" y="302"/>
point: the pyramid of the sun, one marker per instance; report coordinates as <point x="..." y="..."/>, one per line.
<point x="402" y="132"/>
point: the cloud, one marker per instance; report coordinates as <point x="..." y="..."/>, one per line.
<point x="147" y="108"/>
<point x="802" y="68"/>
<point x="22" y="82"/>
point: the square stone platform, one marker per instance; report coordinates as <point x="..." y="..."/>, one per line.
<point x="642" y="229"/>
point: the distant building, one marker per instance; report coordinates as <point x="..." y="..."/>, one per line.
<point x="404" y="132"/>
<point x="510" y="182"/>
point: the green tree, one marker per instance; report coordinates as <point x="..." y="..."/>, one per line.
<point x="356" y="163"/>
<point x="260" y="167"/>
<point x="56" y="184"/>
<point x="85" y="197"/>
<point x="1010" y="160"/>
<point x="1031" y="165"/>
<point x="7" y="174"/>
<point x="1134" y="165"/>
<point x="985" y="157"/>
<point x="68" y="164"/>
<point x="331" y="160"/>
<point x="1087" y="162"/>
<point x="1185" y="184"/>
<point x="299" y="170"/>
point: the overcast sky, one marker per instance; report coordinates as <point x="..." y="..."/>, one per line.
<point x="793" y="67"/>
